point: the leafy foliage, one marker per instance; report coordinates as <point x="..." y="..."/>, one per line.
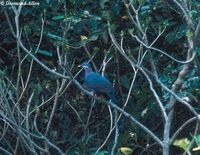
<point x="76" y="31"/>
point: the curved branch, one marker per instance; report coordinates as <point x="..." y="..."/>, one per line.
<point x="164" y="53"/>
<point x="144" y="73"/>
<point x="181" y="128"/>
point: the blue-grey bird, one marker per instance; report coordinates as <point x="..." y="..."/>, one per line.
<point x="97" y="83"/>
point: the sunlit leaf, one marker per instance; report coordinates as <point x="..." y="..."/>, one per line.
<point x="126" y="150"/>
<point x="183" y="143"/>
<point x="189" y="34"/>
<point x="125" y="17"/>
<point x="83" y="38"/>
<point x="144" y="112"/>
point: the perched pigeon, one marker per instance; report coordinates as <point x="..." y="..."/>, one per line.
<point x="97" y="83"/>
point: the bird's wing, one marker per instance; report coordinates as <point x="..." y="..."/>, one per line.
<point x="98" y="83"/>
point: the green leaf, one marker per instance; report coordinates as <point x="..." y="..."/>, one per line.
<point x="198" y="50"/>
<point x="101" y="3"/>
<point x="170" y="37"/>
<point x="197" y="139"/>
<point x="141" y="1"/>
<point x="169" y="23"/>
<point x="126" y="150"/>
<point x="189" y="34"/>
<point x="192" y="13"/>
<point x="130" y="31"/>
<point x="106" y="15"/>
<point x="102" y="153"/>
<point x="2" y="73"/>
<point x="74" y="19"/>
<point x="58" y="17"/>
<point x="94" y="36"/>
<point x="181" y="32"/>
<point x="44" y="52"/>
<point x="167" y="106"/>
<point x="125" y="81"/>
<point x="183" y="143"/>
<point x="122" y="33"/>
<point x="144" y="112"/>
<point x="27" y="29"/>
<point x="53" y="36"/>
<point x="84" y="37"/>
<point x="115" y="7"/>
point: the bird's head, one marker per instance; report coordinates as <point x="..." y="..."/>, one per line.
<point x="85" y="65"/>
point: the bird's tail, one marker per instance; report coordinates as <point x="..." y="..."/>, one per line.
<point x="113" y="98"/>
